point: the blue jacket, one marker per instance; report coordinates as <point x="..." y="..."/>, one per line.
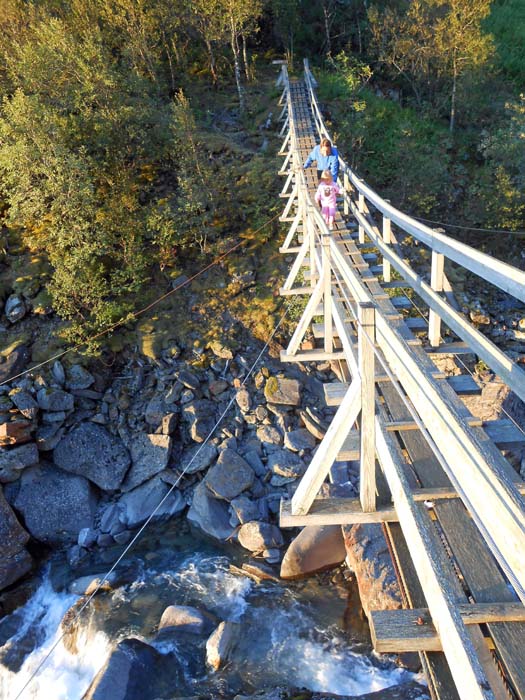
<point x="330" y="162"/>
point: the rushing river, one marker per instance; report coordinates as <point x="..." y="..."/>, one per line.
<point x="290" y="634"/>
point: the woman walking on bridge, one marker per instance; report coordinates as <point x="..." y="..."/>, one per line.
<point x="326" y="197"/>
<point x="326" y="157"/>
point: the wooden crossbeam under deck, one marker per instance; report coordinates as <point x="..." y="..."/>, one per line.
<point x="413" y="630"/>
<point x="335" y="511"/>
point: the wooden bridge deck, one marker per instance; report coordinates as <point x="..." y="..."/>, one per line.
<point x="473" y="584"/>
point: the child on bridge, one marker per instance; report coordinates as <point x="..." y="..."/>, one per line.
<point x="326" y="197"/>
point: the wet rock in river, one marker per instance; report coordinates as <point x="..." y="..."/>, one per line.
<point x="221" y="643"/>
<point x="258" y="536"/>
<point x="185" y="619"/>
<point x="139" y="504"/>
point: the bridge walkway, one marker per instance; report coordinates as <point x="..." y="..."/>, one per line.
<point x="397" y="413"/>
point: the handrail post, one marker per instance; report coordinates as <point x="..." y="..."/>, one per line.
<point x="309" y="230"/>
<point x="327" y="291"/>
<point x="346" y="193"/>
<point x="361" y="209"/>
<point x="387" y="238"/>
<point x="366" y="359"/>
<point x="436" y="282"/>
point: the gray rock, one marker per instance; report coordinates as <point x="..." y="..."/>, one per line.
<point x="104" y="540"/>
<point x="299" y="439"/>
<point x="229" y="476"/>
<point x="245" y="510"/>
<point x="257" y="536"/>
<point x="315" y="548"/>
<point x="14" y="460"/>
<point x="169" y="423"/>
<point x="189" y="380"/>
<point x="55" y="505"/>
<point x="149" y="456"/>
<point x="255" y="462"/>
<point x="139" y="504"/>
<point x="58" y="373"/>
<point x="25" y="403"/>
<point x="155" y="411"/>
<point x="200" y="415"/>
<point x="86" y="537"/>
<point x="133" y="671"/>
<point x="14" y="363"/>
<point x="282" y="391"/>
<point x="184" y="618"/>
<point x="55" y="400"/>
<point x="15" y="308"/>
<point x="173" y="394"/>
<point x="243" y="400"/>
<point x="79" y="378"/>
<point x="287" y="464"/>
<point x="110" y="517"/>
<point x="198" y="458"/>
<point x="13" y="567"/>
<point x="13" y="537"/>
<point x="221" y="643"/>
<point x="54" y="417"/>
<point x="209" y="514"/>
<point x="86" y="585"/>
<point x="269" y="435"/>
<point x="220" y="350"/>
<point x="48" y="436"/>
<point x="91" y="451"/>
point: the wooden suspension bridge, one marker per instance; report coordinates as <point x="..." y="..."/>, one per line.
<point x="451" y="504"/>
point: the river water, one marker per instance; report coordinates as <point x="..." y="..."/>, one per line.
<point x="291" y="635"/>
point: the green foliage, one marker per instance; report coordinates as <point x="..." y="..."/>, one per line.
<point x="506" y="23"/>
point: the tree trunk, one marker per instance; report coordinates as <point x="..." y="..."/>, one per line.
<point x="327" y="29"/>
<point x="237" y="66"/>
<point x="245" y="60"/>
<point x="213" y="64"/>
<point x="453" y="96"/>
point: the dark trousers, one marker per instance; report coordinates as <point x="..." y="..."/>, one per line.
<point x="319" y="173"/>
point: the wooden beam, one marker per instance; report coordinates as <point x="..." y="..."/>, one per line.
<point x="366" y="335"/>
<point x="398" y="631"/>
<point x="335" y="511"/>
<point x="431" y="566"/>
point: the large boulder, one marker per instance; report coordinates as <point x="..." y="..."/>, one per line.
<point x="230" y="476"/>
<point x="369" y="558"/>
<point x="149" y="456"/>
<point x="315" y="548"/>
<point x="209" y="514"/>
<point x="91" y="451"/>
<point x="197" y="458"/>
<point x="137" y="505"/>
<point x="15" y="561"/>
<point x="134" y="671"/>
<point x="55" y="505"/>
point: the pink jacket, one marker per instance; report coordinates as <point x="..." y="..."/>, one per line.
<point x="326" y="194"/>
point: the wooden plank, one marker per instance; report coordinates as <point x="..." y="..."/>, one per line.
<point x="398" y="631"/>
<point x="417" y="324"/>
<point x="312" y="356"/>
<point x="445" y="492"/>
<point x="482" y="576"/>
<point x="366" y="335"/>
<point x="459" y="348"/>
<point x="335" y="511"/>
<point x="413" y="630"/>
<point x="431" y="564"/>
